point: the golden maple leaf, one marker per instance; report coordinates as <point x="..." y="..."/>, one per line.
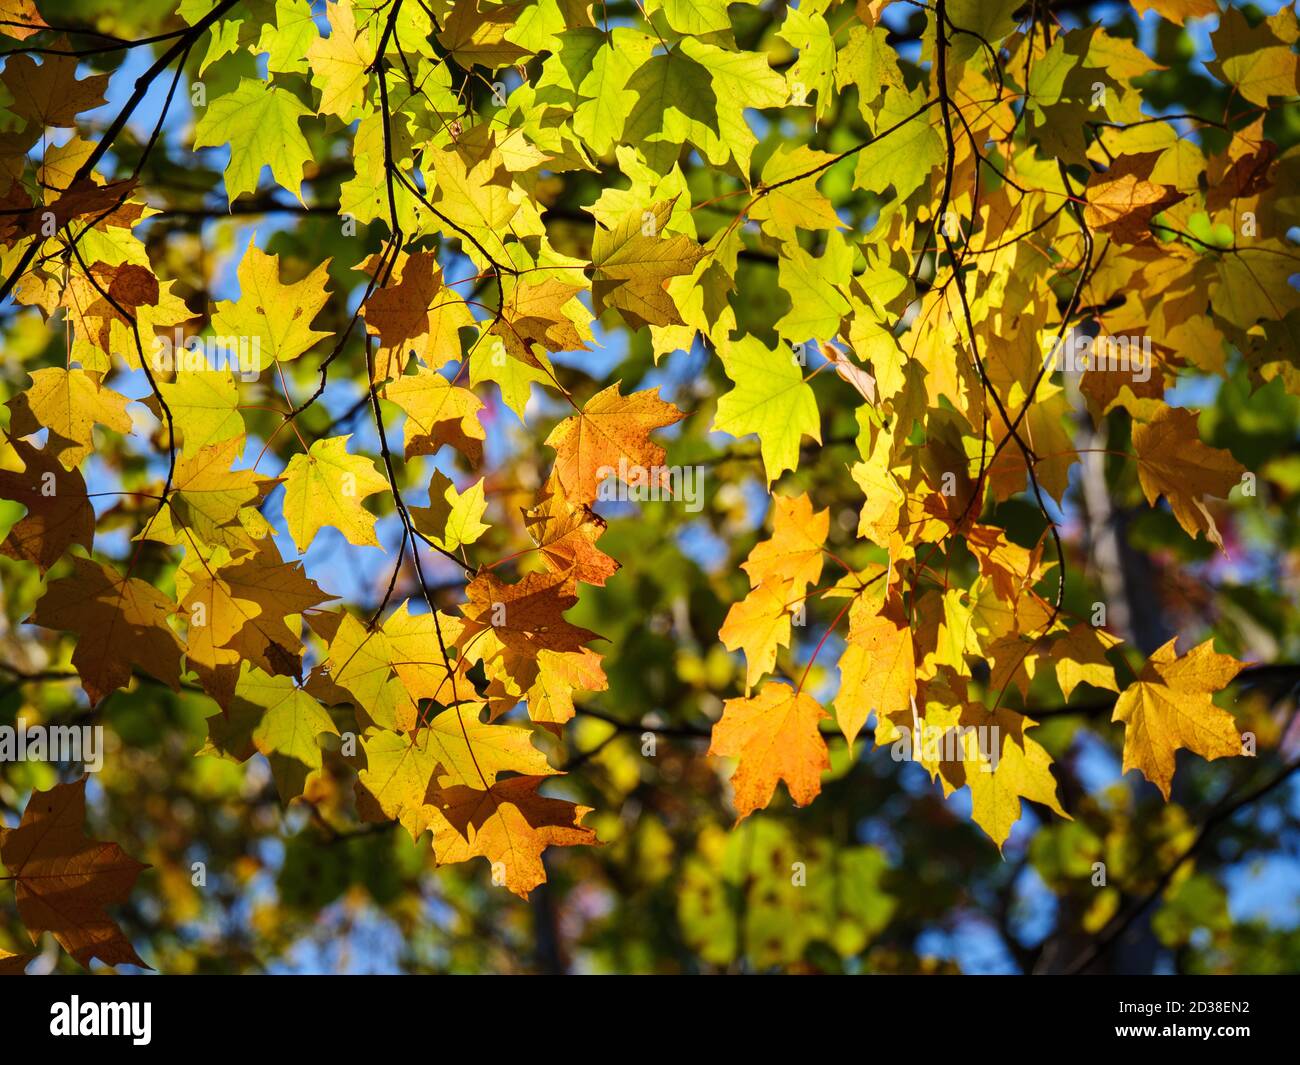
<point x="1169" y="708"/>
<point x="611" y="433"/>
<point x="773" y="736"/>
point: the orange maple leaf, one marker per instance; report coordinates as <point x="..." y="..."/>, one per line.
<point x="611" y="434"/>
<point x="774" y="736"/>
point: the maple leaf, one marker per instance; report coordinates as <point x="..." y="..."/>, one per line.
<point x="394" y="783"/>
<point x="260" y="123"/>
<point x="566" y="533"/>
<point x="69" y="403"/>
<point x="205" y="406"/>
<point x="770" y="399"/>
<point x="559" y="675"/>
<point x="120" y="622"/>
<point x="1009" y="766"/>
<point x="20" y="19"/>
<point x="794" y="550"/>
<point x="237" y="613"/>
<point x="325" y="487"/>
<point x="794" y="204"/>
<point x="475" y="34"/>
<point x="611" y="435"/>
<point x="403" y="773"/>
<point x="340" y="63"/>
<point x="759" y="624"/>
<point x="1174" y="463"/>
<point x="79" y="199"/>
<point x="59" y="513"/>
<point x="535" y="312"/>
<point x="215" y="614"/>
<point x="64" y="880"/>
<point x="286" y="43"/>
<point x="415" y="312"/>
<point x="525" y="617"/>
<point x="1258" y="61"/>
<point x="1169" y="707"/>
<point x="50" y="94"/>
<point x="773" y="736"/>
<point x="1123" y="200"/>
<point x="631" y="263"/>
<point x="275" y="717"/>
<point x="1080" y="656"/>
<point x="362" y="662"/>
<point x="207" y="498"/>
<point x="437" y="413"/>
<point x="1178" y="10"/>
<point x="279" y="589"/>
<point x="473" y="196"/>
<point x="877" y="668"/>
<point x="509" y="824"/>
<point x="452" y="518"/>
<point x="400" y="312"/>
<point x="275" y="317"/>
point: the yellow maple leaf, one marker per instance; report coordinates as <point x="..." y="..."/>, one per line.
<point x="510" y="825"/>
<point x="1169" y="707"/>
<point x="1174" y="463"/>
<point x="759" y="624"/>
<point x="437" y="413"/>
<point x="877" y="669"/>
<point x="69" y="403"/>
<point x="794" y="550"/>
<point x="273" y="316"/>
<point x="326" y="487"/>
<point x="340" y="62"/>
<point x="633" y="261"/>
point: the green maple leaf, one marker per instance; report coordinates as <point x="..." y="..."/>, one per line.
<point x="275" y="717"/>
<point x="770" y="399"/>
<point x="260" y="123"/>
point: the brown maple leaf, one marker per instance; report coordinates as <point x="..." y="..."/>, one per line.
<point x="50" y="94"/>
<point x="526" y="617"/>
<point x="64" y="879"/>
<point x="59" y="513"/>
<point x="120" y="622"/>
